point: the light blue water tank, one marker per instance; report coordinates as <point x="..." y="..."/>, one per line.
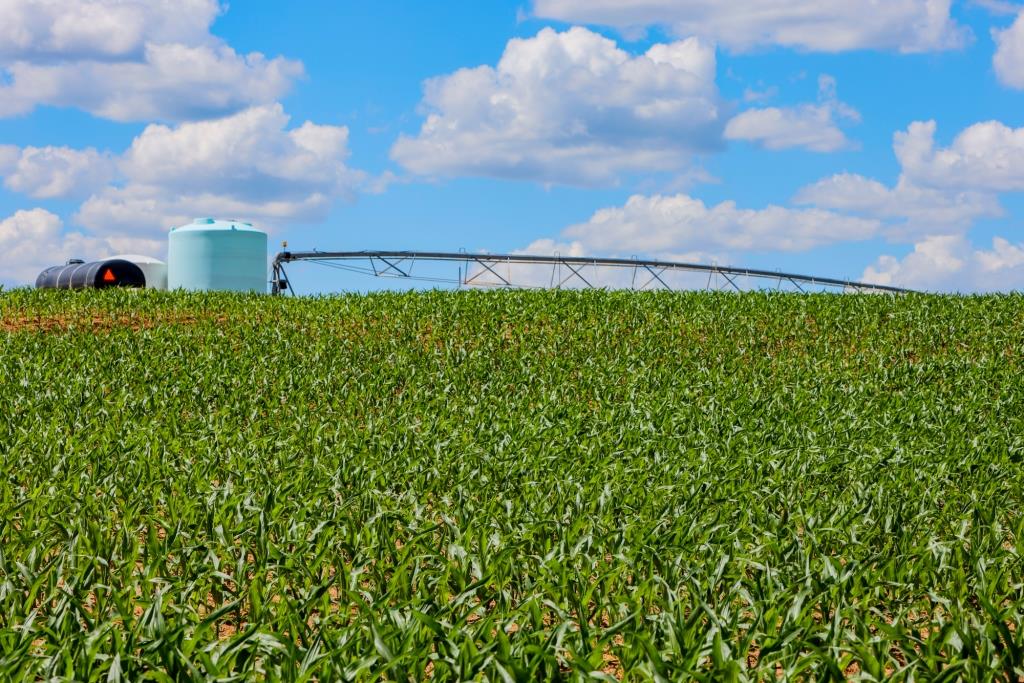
<point x="213" y="255"/>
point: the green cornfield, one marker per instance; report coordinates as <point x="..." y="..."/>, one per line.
<point x="511" y="486"/>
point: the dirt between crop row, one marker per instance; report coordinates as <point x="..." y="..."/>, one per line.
<point x="101" y="323"/>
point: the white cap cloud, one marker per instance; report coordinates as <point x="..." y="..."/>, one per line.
<point x="815" y="25"/>
<point x="570" y="108"/>
<point x="129" y="60"/>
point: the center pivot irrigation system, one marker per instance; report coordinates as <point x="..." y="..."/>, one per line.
<point x="527" y="271"/>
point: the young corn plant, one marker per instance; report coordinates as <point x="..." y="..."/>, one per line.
<point x="511" y="486"/>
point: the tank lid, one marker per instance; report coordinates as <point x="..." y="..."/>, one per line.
<point x="205" y="224"/>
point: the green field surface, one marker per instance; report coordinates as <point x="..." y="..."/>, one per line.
<point x="511" y="486"/>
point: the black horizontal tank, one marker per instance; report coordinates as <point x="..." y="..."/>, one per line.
<point x="94" y="275"/>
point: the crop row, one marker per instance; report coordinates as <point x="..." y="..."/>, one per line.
<point x="511" y="486"/>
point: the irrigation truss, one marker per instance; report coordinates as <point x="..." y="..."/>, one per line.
<point x="463" y="269"/>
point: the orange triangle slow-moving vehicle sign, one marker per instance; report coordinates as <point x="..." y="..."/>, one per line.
<point x="109" y="276"/>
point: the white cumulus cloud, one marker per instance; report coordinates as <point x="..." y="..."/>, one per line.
<point x="910" y="211"/>
<point x="27" y="242"/>
<point x="129" y="60"/>
<point x="252" y="154"/>
<point x="54" y="172"/>
<point x="677" y="228"/>
<point x="31" y="240"/>
<point x="1009" y="57"/>
<point x="99" y="29"/>
<point x="813" y="127"/>
<point x="808" y="126"/>
<point x="666" y="225"/>
<point x="570" y="108"/>
<point x="814" y="25"/>
<point x="580" y="276"/>
<point x="940" y="190"/>
<point x="250" y="165"/>
<point x="951" y="262"/>
<point x="987" y="156"/>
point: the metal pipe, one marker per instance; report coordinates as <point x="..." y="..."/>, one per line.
<point x="569" y="261"/>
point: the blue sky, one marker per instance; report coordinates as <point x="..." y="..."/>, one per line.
<point x="869" y="140"/>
